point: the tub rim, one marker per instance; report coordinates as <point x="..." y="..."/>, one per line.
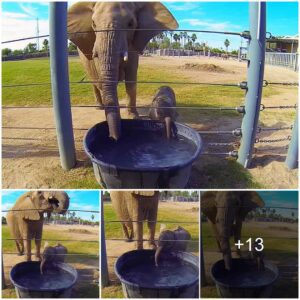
<point x="198" y="143"/>
<point x="223" y="285"/>
<point x="46" y="289"/>
<point x="142" y="286"/>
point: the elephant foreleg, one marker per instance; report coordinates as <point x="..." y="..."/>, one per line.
<point x="131" y="76"/>
<point x="20" y="246"/>
<point x="216" y="234"/>
<point x="128" y="235"/>
<point x="151" y="227"/>
<point x="138" y="229"/>
<point x="97" y="95"/>
<point x="38" y="242"/>
<point x="237" y="234"/>
<point x="28" y="249"/>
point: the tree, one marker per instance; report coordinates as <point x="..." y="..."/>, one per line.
<point x="176" y="37"/>
<point x="17" y="52"/>
<point x="6" y="52"/>
<point x="30" y="48"/>
<point x="45" y="45"/>
<point x="194" y="38"/>
<point x="72" y="47"/>
<point x="226" y="43"/>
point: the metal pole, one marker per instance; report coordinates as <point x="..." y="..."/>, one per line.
<point x="3" y="274"/>
<point x="255" y="77"/>
<point x="104" y="265"/>
<point x="292" y="155"/>
<point x="60" y="83"/>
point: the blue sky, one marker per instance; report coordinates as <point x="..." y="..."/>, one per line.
<point x="282" y="19"/>
<point x="287" y="199"/>
<point x="83" y="200"/>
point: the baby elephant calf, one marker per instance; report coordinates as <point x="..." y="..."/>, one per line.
<point x="52" y="256"/>
<point x="172" y="240"/>
<point x="163" y="109"/>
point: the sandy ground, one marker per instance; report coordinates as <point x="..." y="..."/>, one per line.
<point x="31" y="158"/>
<point x="87" y="269"/>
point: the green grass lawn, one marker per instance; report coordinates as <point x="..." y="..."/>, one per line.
<point x="37" y="71"/>
<point x="283" y="252"/>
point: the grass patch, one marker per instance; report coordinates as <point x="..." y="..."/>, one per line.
<point x="38" y="71"/>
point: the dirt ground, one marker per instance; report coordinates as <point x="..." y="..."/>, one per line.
<point x="30" y="158"/>
<point x="86" y="266"/>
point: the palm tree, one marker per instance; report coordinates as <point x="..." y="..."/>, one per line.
<point x="171" y="35"/>
<point x="185" y="36"/>
<point x="181" y="34"/>
<point x="226" y="43"/>
<point x="194" y="38"/>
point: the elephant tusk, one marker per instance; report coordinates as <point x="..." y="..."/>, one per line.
<point x="125" y="56"/>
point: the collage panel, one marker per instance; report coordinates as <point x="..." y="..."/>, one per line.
<point x="50" y="244"/>
<point x="249" y="244"/>
<point x="150" y="244"/>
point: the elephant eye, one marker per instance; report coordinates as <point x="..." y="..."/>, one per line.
<point x="130" y="24"/>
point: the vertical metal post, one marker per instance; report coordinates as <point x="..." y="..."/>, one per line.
<point x="104" y="265"/>
<point x="60" y="83"/>
<point x="3" y="274"/>
<point x="255" y="75"/>
<point x="292" y="155"/>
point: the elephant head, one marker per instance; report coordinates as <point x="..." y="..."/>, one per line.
<point x="109" y="31"/>
<point x="39" y="202"/>
<point x="52" y="256"/>
<point x="227" y="211"/>
<point x="171" y="240"/>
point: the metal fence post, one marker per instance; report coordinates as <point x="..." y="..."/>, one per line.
<point x="104" y="265"/>
<point x="292" y="155"/>
<point x="255" y="75"/>
<point x="58" y="43"/>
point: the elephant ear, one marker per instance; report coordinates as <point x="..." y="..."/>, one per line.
<point x="144" y="193"/>
<point x="152" y="15"/>
<point x="250" y="201"/>
<point x="28" y="211"/>
<point x="208" y="205"/>
<point x="80" y="20"/>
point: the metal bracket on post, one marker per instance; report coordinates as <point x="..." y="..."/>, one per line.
<point x="104" y="265"/>
<point x="60" y="83"/>
<point x="255" y="76"/>
<point x="292" y="155"/>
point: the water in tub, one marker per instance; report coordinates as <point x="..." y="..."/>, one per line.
<point x="52" y="279"/>
<point x="171" y="272"/>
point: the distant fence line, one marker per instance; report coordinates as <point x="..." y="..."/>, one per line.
<point x="289" y="60"/>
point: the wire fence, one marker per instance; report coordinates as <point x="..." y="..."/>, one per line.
<point x="240" y="109"/>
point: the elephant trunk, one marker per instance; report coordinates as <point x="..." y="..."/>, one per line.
<point x="108" y="49"/>
<point x="42" y="266"/>
<point x="168" y="122"/>
<point x="157" y="254"/>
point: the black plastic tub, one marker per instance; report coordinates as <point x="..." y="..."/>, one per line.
<point x="244" y="280"/>
<point x="177" y="276"/>
<point x="113" y="168"/>
<point x="25" y="277"/>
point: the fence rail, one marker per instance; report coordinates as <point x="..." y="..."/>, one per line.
<point x="289" y="60"/>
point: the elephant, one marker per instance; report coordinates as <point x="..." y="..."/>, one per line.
<point x="163" y="109"/>
<point x="134" y="207"/>
<point x="257" y="256"/>
<point x="111" y="36"/>
<point x="25" y="218"/>
<point x="226" y="212"/>
<point x="52" y="256"/>
<point x="172" y="240"/>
